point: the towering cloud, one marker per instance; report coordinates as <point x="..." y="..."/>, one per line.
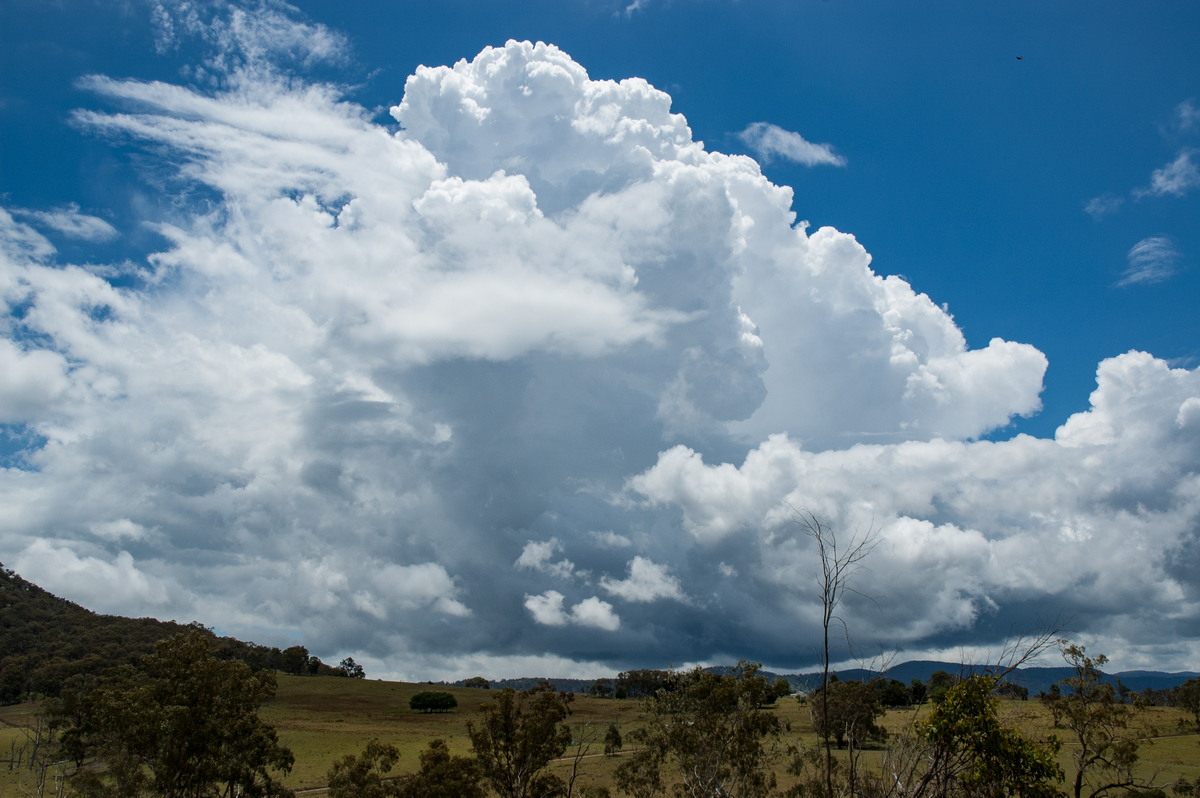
<point x="535" y="381"/>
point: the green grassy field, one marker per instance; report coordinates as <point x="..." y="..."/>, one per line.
<point x="1166" y="754"/>
<point x="322" y="719"/>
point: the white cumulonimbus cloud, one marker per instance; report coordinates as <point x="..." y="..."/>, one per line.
<point x="980" y="532"/>
<point x="381" y="395"/>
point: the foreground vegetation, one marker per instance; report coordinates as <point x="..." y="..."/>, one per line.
<point x="718" y="734"/>
<point x="198" y="716"/>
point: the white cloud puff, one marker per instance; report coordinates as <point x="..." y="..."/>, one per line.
<point x="1176" y="179"/>
<point x="33" y="380"/>
<point x="968" y="528"/>
<point x="547" y="609"/>
<point x="647" y="581"/>
<point x="20" y="241"/>
<point x="596" y="613"/>
<point x="1186" y="116"/>
<point x="122" y="528"/>
<point x="1103" y="205"/>
<point x="118" y="583"/>
<point x="769" y="141"/>
<point x="536" y="556"/>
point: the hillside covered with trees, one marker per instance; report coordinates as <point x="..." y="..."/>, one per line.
<point x="45" y="640"/>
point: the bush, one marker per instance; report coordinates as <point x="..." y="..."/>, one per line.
<point x="432" y="702"/>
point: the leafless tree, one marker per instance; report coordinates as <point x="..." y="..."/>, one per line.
<point x="584" y="737"/>
<point x="839" y="561"/>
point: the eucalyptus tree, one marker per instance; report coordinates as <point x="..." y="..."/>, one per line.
<point x="847" y="712"/>
<point x="712" y="731"/>
<point x="1188" y="697"/>
<point x="441" y="774"/>
<point x="1105" y="750"/>
<point x="963" y="749"/>
<point x="519" y="734"/>
<point x="183" y="725"/>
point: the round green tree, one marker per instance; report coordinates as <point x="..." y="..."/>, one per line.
<point x="432" y="702"/>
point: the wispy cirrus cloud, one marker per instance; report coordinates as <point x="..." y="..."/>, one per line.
<point x="1175" y="179"/>
<point x="769" y="142"/>
<point x="1103" y="205"/>
<point x="241" y="37"/>
<point x="1186" y="117"/>
<point x="68" y="221"/>
<point x="1151" y="260"/>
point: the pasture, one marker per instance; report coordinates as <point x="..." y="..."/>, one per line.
<point x="322" y="719"/>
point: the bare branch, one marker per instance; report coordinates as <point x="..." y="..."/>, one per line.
<point x="838" y="565"/>
<point x="1026" y="647"/>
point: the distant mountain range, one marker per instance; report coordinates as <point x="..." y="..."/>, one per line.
<point x="1036" y="680"/>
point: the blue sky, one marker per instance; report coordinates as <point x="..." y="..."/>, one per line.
<point x="552" y="406"/>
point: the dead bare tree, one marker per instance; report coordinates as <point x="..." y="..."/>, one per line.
<point x="839" y="562"/>
<point x="36" y="753"/>
<point x="583" y="738"/>
<point x="1019" y="650"/>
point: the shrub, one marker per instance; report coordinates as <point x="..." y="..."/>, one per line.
<point x="432" y="702"/>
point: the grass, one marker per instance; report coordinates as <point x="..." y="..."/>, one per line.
<point x="1169" y="750"/>
<point x="15" y="721"/>
<point x="323" y="719"/>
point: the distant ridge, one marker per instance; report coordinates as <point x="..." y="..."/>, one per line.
<point x="1036" y="679"/>
<point x="526" y="682"/>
